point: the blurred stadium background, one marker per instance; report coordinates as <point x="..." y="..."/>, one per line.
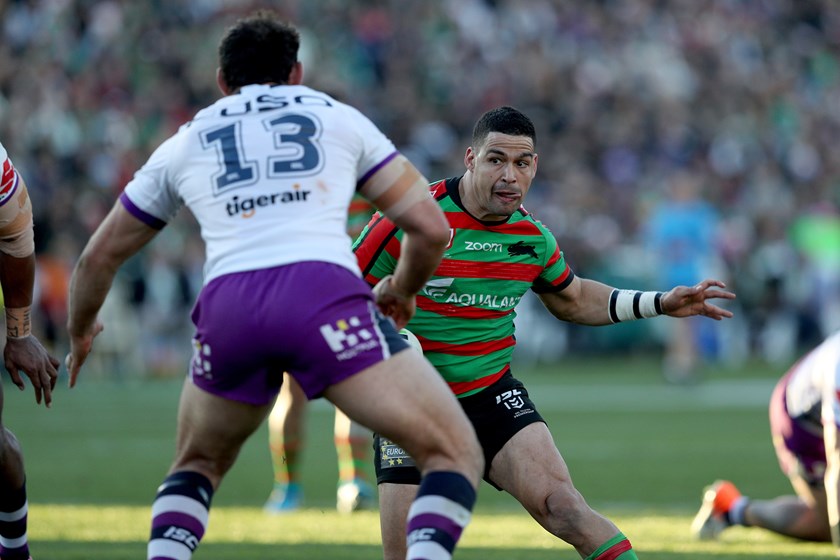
<point x="632" y="98"/>
<point x="742" y="96"/>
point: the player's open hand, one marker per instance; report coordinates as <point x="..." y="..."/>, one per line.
<point x="80" y="347"/>
<point x="29" y="356"/>
<point x="684" y="301"/>
<point x="394" y="303"/>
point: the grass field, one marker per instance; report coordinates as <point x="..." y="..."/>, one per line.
<point x="639" y="450"/>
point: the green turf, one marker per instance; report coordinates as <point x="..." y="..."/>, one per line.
<point x="639" y="451"/>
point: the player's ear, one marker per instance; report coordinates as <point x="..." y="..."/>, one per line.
<point x="469" y="159"/>
<point x="220" y="81"/>
<point x="296" y="75"/>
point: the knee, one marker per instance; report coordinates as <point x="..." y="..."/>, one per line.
<point x="563" y="510"/>
<point x="214" y="468"/>
<point x="10" y="452"/>
<point x="447" y="452"/>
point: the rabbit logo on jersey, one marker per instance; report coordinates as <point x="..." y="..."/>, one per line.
<point x="347" y="339"/>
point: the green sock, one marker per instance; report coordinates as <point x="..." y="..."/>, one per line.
<point x="617" y="548"/>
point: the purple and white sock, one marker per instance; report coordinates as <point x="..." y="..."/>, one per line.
<point x="438" y="515"/>
<point x="179" y="516"/>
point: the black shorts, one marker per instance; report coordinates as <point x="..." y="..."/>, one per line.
<point x="497" y="413"/>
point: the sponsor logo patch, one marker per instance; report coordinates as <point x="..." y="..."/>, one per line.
<point x="392" y="455"/>
<point x="520" y="248"/>
<point x="347" y="338"/>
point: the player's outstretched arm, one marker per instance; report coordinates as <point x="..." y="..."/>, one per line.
<point x="116" y="239"/>
<point x="588" y="302"/>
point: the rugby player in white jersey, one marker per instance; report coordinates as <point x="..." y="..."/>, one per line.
<point x="269" y="171"/>
<point x="804" y="424"/>
<point x="23" y="352"/>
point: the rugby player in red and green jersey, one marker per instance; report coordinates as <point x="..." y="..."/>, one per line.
<point x="464" y="321"/>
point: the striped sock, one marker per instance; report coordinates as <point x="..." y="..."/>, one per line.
<point x="353" y="462"/>
<point x="179" y="516"/>
<point x="617" y="548"/>
<point x="284" y="458"/>
<point x="438" y="515"/>
<point x="13" y="510"/>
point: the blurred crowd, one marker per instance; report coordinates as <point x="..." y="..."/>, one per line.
<point x="727" y="111"/>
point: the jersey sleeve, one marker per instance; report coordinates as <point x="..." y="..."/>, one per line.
<point x="556" y="274"/>
<point x="377" y="149"/>
<point x="150" y="196"/>
<point x="377" y="249"/>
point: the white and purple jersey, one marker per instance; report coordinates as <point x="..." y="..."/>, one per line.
<point x="9" y="178"/>
<point x="812" y="388"/>
<point x="269" y="173"/>
<point x="804" y="402"/>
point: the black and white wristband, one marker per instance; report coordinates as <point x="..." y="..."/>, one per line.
<point x="629" y="305"/>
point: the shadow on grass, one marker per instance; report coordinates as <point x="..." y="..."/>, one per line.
<point x="62" y="550"/>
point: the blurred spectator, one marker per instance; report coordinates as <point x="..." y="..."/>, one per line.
<point x="682" y="237"/>
<point x="743" y="95"/>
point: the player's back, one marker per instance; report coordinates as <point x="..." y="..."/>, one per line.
<point x="268" y="173"/>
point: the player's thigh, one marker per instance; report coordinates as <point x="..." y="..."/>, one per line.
<point x="529" y="467"/>
<point x="404" y="399"/>
<point x="212" y="428"/>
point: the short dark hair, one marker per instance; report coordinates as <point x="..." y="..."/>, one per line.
<point x="258" y="49"/>
<point x="505" y="120"/>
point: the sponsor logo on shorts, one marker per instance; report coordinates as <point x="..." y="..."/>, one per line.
<point x="513" y="400"/>
<point x="392" y="455"/>
<point x="200" y="365"/>
<point x="347" y="338"/>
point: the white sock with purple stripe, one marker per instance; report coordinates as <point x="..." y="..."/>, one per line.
<point x="438" y="515"/>
<point x="179" y="516"/>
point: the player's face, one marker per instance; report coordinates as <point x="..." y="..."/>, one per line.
<point x="503" y="168"/>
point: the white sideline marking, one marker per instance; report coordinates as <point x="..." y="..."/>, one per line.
<point x="632" y="397"/>
<point x="708" y="395"/>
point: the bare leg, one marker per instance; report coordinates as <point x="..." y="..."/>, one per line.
<point x="286" y="437"/>
<point x="416" y="410"/>
<point x="211" y="431"/>
<point x="353" y="448"/>
<point x="804" y="516"/>
<point x="13" y="504"/>
<point x="394" y="502"/>
<point x="532" y="470"/>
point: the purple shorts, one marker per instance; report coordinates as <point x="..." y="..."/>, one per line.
<point x="800" y="451"/>
<point x="317" y="321"/>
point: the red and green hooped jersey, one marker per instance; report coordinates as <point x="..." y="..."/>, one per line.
<point x="465" y="312"/>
